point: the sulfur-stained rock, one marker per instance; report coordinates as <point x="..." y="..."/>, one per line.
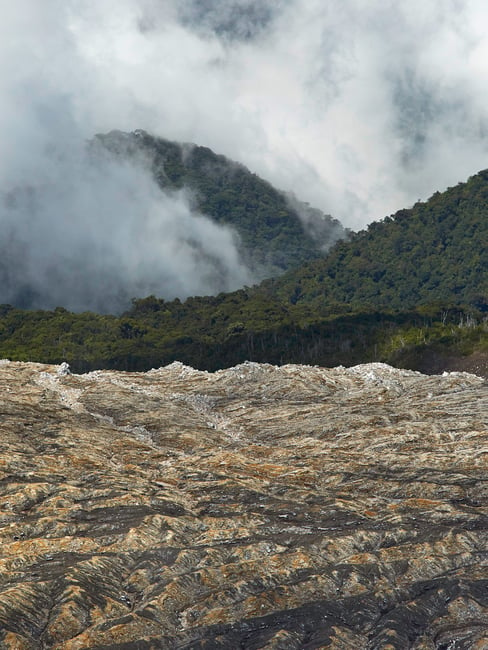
<point x="255" y="507"/>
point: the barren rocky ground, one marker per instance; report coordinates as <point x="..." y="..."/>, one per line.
<point x="255" y="507"/>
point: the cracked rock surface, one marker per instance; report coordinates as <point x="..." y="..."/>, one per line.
<point x="254" y="507"/>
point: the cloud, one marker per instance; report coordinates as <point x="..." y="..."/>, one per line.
<point x="97" y="232"/>
<point x="78" y="228"/>
<point x="358" y="108"/>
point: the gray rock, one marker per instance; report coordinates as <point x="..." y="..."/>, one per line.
<point x="254" y="507"/>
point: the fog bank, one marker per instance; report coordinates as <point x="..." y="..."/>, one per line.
<point x="358" y="108"/>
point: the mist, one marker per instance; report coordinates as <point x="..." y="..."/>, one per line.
<point x="358" y="108"/>
<point x="97" y="232"/>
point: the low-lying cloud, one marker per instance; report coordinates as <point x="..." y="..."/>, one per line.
<point x="97" y="232"/>
<point x="358" y="108"/>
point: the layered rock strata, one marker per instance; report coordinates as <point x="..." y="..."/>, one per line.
<point x="254" y="507"/>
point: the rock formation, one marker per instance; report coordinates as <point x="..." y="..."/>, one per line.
<point x="254" y="507"/>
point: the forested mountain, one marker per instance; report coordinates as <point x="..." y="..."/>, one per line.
<point x="411" y="290"/>
<point x="435" y="252"/>
<point x="277" y="232"/>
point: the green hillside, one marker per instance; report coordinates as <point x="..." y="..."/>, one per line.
<point x="435" y="252"/>
<point x="272" y="234"/>
<point x="411" y="291"/>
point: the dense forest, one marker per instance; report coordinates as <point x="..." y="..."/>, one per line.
<point x="411" y="290"/>
<point x="211" y="333"/>
<point x="435" y="252"/>
<point x="276" y="231"/>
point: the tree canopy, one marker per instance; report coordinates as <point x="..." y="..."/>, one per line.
<point x="277" y="232"/>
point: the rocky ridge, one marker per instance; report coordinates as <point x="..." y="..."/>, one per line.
<point x="254" y="507"/>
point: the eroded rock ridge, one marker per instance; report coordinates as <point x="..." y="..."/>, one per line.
<point x="254" y="507"/>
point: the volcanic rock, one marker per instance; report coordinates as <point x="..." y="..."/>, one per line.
<point x="254" y="507"/>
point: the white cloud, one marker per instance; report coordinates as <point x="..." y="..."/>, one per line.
<point x="359" y="108"/>
<point x="97" y="232"/>
<point x="349" y="104"/>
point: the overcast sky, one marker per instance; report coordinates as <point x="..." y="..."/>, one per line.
<point x="360" y="108"/>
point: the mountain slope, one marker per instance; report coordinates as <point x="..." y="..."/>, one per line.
<point x="435" y="252"/>
<point x="410" y="291"/>
<point x="277" y="231"/>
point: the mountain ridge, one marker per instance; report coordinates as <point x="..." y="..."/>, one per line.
<point x="434" y="252"/>
<point x="276" y="230"/>
<point x="411" y="291"/>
